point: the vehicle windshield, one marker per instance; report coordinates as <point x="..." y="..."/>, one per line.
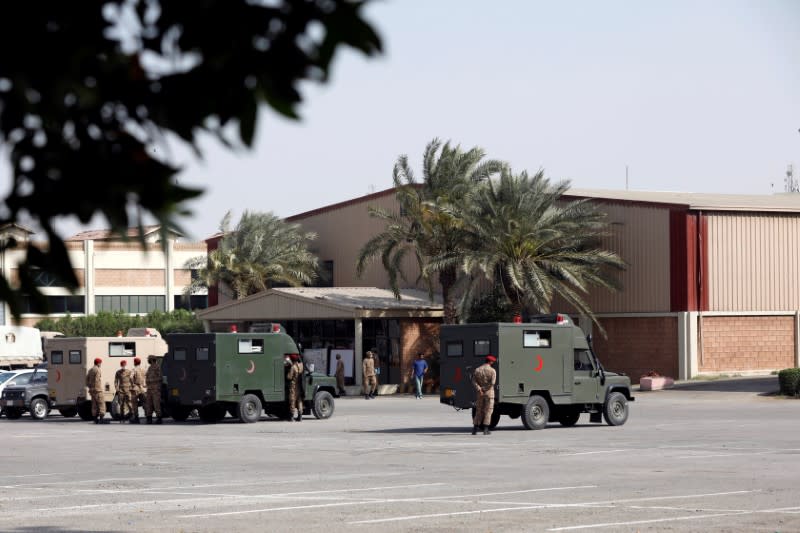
<point x="18" y="379"/>
<point x="5" y="376"/>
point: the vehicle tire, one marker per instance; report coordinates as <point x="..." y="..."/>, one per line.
<point x="179" y="413"/>
<point x="568" y="417"/>
<point x="13" y="413"/>
<point x="85" y="411"/>
<point x="323" y="405"/>
<point x="68" y="412"/>
<point x="212" y="413"/>
<point x="495" y="419"/>
<point x="39" y="409"/>
<point x="249" y="409"/>
<point x="615" y="410"/>
<point x="536" y="413"/>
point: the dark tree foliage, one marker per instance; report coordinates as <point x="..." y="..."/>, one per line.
<point x="105" y="324"/>
<point x="90" y="89"/>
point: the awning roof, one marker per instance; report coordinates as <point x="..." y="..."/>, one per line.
<point x="308" y="303"/>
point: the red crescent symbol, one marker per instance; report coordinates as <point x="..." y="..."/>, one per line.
<point x="58" y="376"/>
<point x="540" y="365"/>
<point x="458" y="375"/>
<point x="183" y="375"/>
<point x="252" y="367"/>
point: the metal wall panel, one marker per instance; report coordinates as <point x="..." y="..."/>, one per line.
<point x="753" y="262"/>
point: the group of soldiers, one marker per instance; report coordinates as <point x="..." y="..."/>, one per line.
<point x="133" y="386"/>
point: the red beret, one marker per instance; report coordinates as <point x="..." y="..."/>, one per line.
<point x="123" y="362"/>
<point x="294" y="356"/>
<point x="137" y="361"/>
<point x="97" y="360"/>
<point x="490" y="358"/>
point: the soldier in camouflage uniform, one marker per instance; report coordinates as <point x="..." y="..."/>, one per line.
<point x="123" y="382"/>
<point x="484" y="379"/>
<point x="139" y="387"/>
<point x="94" y="381"/>
<point x="153" y="394"/>
<point x="295" y="382"/>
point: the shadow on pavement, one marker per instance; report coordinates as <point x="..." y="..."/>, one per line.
<point x="761" y="385"/>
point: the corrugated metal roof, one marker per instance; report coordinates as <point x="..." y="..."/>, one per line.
<point x="105" y="234"/>
<point x="782" y="202"/>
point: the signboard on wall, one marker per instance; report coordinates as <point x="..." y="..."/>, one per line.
<point x="347" y="359"/>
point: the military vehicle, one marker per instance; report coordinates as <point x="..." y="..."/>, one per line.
<point x="241" y="374"/>
<point x="28" y="396"/>
<point x="546" y="369"/>
<point x="70" y="358"/>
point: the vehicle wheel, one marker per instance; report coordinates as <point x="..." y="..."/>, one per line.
<point x="211" y="414"/>
<point x="249" y="409"/>
<point x="68" y="412"/>
<point x="39" y="408"/>
<point x="13" y="413"/>
<point x="323" y="405"/>
<point x="536" y="413"/>
<point x="615" y="410"/>
<point x="85" y="411"/>
<point x="568" y="417"/>
<point x="495" y="419"/>
<point x="179" y="413"/>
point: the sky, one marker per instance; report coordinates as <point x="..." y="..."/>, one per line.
<point x="694" y="96"/>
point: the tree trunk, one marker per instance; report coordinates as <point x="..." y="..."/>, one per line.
<point x="447" y="279"/>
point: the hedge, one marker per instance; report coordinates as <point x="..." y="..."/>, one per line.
<point x="106" y="324"/>
<point x="789" y="380"/>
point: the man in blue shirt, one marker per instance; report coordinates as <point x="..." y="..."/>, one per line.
<point x="418" y="371"/>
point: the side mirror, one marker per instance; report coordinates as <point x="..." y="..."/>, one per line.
<point x="310" y="367"/>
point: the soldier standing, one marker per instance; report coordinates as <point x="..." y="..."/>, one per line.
<point x="123" y="382"/>
<point x="152" y="400"/>
<point x="484" y="379"/>
<point x="94" y="380"/>
<point x="295" y="378"/>
<point x="368" y="371"/>
<point x="139" y="387"/>
<point x="340" y="374"/>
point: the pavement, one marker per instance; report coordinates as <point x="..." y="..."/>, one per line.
<point x="705" y="456"/>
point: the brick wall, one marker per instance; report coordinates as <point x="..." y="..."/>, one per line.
<point x="637" y="346"/>
<point x="118" y="277"/>
<point x="742" y="343"/>
<point x="182" y="277"/>
<point x="417" y="335"/>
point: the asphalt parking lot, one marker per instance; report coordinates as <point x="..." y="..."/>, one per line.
<point x="714" y="456"/>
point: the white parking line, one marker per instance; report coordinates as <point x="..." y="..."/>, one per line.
<point x="594" y="453"/>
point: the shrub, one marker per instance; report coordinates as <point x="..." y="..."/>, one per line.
<point x="106" y="324"/>
<point x="789" y="380"/>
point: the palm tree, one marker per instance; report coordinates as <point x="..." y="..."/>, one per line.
<point x="428" y="224"/>
<point x="260" y="252"/>
<point x="536" y="246"/>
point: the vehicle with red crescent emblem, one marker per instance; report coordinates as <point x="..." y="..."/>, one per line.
<point x="547" y="371"/>
<point x="241" y="374"/>
<point x="70" y="358"/>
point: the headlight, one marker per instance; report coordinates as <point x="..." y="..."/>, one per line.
<point x="448" y="392"/>
<point x="175" y="392"/>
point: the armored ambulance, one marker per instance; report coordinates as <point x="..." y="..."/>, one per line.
<point x="70" y="358"/>
<point x="546" y="369"/>
<point x="238" y="373"/>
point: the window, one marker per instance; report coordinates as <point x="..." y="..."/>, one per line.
<point x="130" y="304"/>
<point x="583" y="360"/>
<point x="251" y="345"/>
<point x="39" y="377"/>
<point x="22" y="379"/>
<point x="454" y="349"/>
<point x="536" y="338"/>
<point x="201" y="354"/>
<point x="481" y="347"/>
<point x="74" y="357"/>
<point x="56" y="357"/>
<point x="179" y="354"/>
<point x="195" y="301"/>
<point x="121" y="349"/>
<point x="54" y="304"/>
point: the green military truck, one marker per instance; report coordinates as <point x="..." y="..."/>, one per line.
<point x="547" y="371"/>
<point x="241" y="374"/>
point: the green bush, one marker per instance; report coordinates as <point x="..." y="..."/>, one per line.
<point x="106" y="324"/>
<point x="789" y="380"/>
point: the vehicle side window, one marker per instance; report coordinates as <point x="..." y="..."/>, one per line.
<point x="248" y="346"/>
<point x="121" y="349"/>
<point x="74" y="357"/>
<point x="201" y="354"/>
<point x="583" y="360"/>
<point x="40" y="377"/>
<point x="537" y="338"/>
<point x="56" y="357"/>
<point x="22" y="379"/>
<point x="481" y="347"/>
<point x="454" y="349"/>
<point x="179" y="354"/>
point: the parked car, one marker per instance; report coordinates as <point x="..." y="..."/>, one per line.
<point x="9" y="377"/>
<point x="17" y="398"/>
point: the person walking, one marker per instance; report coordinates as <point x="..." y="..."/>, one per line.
<point x="295" y="378"/>
<point x="418" y="370"/>
<point x="139" y="387"/>
<point x="484" y="379"/>
<point x="94" y="381"/>
<point x="123" y="382"/>
<point x="340" y="374"/>
<point x="368" y="373"/>
<point x="152" y="399"/>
